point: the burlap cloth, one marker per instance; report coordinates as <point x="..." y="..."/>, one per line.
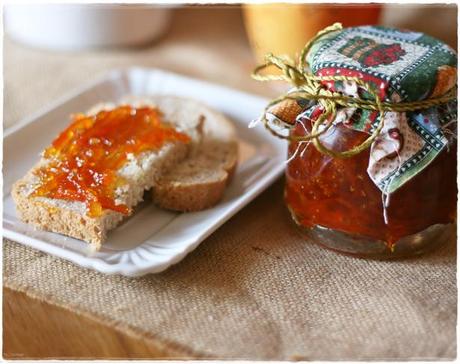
<point x="254" y="289"/>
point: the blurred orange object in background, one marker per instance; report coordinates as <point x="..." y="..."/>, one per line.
<point x="285" y="28"/>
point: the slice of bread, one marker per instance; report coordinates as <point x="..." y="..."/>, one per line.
<point x="141" y="173"/>
<point x="199" y="181"/>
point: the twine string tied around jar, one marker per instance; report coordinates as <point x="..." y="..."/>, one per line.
<point x="308" y="86"/>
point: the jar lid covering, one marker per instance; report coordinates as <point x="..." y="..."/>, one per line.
<point x="411" y="64"/>
<point x="403" y="66"/>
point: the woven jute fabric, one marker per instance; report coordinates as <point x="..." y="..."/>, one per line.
<point x="255" y="288"/>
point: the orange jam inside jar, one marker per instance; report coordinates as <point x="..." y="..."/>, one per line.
<point x="336" y="203"/>
<point x="84" y="159"/>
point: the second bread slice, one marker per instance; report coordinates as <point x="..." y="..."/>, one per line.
<point x="199" y="181"/>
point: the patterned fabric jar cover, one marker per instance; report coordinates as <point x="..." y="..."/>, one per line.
<point x="404" y="66"/>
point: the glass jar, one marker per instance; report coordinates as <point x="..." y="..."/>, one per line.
<point x="336" y="204"/>
<point x="387" y="98"/>
<point x="285" y="28"/>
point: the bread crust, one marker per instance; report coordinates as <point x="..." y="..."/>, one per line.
<point x="190" y="197"/>
<point x="45" y="216"/>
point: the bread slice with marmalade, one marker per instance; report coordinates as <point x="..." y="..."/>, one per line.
<point x="138" y="172"/>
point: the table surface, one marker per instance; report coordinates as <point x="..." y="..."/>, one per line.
<point x="283" y="292"/>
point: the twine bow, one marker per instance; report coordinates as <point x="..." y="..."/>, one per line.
<point x="310" y="87"/>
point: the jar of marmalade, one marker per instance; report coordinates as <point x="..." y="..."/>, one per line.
<point x="397" y="196"/>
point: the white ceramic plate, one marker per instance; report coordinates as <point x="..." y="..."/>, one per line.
<point x="152" y="239"/>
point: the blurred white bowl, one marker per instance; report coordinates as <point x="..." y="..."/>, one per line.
<point x="79" y="26"/>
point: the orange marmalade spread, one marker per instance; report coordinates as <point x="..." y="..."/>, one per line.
<point x="338" y="193"/>
<point x="85" y="157"/>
